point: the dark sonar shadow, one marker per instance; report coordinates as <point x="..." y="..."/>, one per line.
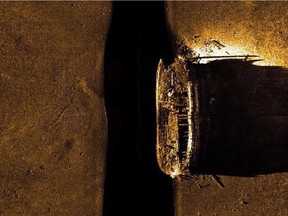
<point x="244" y="119"/>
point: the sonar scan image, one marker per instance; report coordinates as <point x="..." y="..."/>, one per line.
<point x="165" y="108"/>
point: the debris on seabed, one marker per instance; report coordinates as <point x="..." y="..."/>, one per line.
<point x="217" y="180"/>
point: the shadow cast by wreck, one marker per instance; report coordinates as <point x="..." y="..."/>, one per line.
<point x="244" y="119"/>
